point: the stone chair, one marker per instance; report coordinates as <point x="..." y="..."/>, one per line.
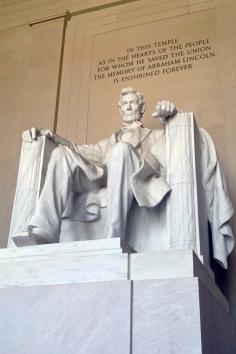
<point x="179" y="222"/>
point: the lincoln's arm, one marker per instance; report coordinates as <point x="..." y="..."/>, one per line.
<point x="32" y="134"/>
<point x="59" y="141"/>
<point x="93" y="153"/>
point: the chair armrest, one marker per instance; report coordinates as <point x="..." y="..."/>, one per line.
<point x="187" y="218"/>
<point x="31" y="175"/>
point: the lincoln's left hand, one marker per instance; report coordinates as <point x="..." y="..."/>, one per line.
<point x="164" y="109"/>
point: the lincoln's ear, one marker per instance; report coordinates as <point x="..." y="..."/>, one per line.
<point x="143" y="108"/>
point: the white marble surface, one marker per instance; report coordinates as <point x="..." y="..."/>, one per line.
<point x="165" y="316"/>
<point x="97" y="260"/>
<point x="168" y="319"/>
<point x="104" y="245"/>
<point x="163" y="265"/>
<point x="175" y="184"/>
<point x="88" y="318"/>
<point x="79" y="169"/>
<point x="89" y="291"/>
<point x="31" y="175"/>
<point x="63" y="270"/>
<point x="173" y="264"/>
<point x="65" y="263"/>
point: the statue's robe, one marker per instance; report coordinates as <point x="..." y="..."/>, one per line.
<point x="84" y="169"/>
<point x="150" y="188"/>
<point x="218" y="204"/>
<point x="148" y="183"/>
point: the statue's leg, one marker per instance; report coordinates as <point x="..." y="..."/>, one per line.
<point x="123" y="164"/>
<point x="66" y="172"/>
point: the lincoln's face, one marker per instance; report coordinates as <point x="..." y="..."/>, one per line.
<point x="130" y="108"/>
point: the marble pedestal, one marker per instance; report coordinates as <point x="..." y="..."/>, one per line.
<point x="87" y="297"/>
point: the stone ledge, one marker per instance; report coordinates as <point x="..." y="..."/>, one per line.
<point x="120" y="317"/>
<point x="98" y="260"/>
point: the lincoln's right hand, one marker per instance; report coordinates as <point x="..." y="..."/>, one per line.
<point x="33" y="133"/>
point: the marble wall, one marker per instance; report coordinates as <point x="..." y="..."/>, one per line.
<point x="59" y="64"/>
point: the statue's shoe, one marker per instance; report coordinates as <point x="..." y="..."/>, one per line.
<point x="23" y="239"/>
<point x="39" y="236"/>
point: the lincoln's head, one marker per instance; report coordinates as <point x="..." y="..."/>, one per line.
<point x="131" y="105"/>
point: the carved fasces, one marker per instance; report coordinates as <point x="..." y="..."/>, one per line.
<point x="182" y="207"/>
<point x="32" y="170"/>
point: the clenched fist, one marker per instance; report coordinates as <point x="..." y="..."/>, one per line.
<point x="164" y="109"/>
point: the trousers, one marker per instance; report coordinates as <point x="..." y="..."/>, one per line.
<point x="68" y="171"/>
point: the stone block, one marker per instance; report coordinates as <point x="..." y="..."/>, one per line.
<point x="179" y="316"/>
<point x="74" y="262"/>
<point x="164" y="265"/>
<point x="174" y="265"/>
<point x="91" y="318"/>
<point x="161" y="302"/>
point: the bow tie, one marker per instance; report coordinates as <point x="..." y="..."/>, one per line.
<point x="130" y="133"/>
<point x="131" y="126"/>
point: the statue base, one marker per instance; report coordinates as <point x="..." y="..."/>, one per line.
<point x="88" y="297"/>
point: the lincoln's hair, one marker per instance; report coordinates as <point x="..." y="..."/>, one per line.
<point x="141" y="102"/>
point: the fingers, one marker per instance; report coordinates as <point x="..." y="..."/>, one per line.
<point x="29" y="135"/>
<point x="26" y="136"/>
<point x="164" y="109"/>
<point x="157" y="112"/>
<point x="33" y="133"/>
<point x="46" y="132"/>
<point x="173" y="109"/>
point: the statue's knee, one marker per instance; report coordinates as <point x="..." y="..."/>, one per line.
<point x="59" y="153"/>
<point x="121" y="149"/>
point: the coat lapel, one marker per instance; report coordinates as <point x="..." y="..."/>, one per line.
<point x="143" y="133"/>
<point x="136" y="140"/>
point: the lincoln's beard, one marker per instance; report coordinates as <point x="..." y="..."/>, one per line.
<point x="131" y="116"/>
